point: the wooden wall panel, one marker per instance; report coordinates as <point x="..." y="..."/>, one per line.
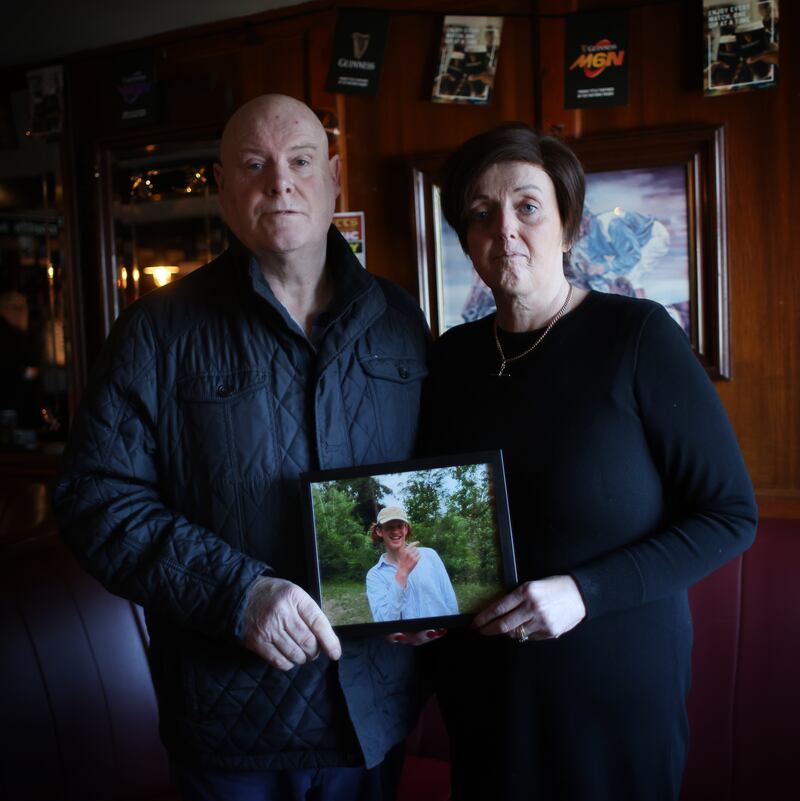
<point x="386" y="131"/>
<point x="763" y="399"/>
<point x="222" y="65"/>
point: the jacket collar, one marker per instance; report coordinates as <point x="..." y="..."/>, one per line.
<point x="357" y="301"/>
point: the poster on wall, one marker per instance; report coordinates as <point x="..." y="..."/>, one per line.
<point x="358" y="46"/>
<point x="134" y="89"/>
<point x="740" y="46"/>
<point x="46" y="100"/>
<point x="351" y="227"/>
<point x="467" y="60"/>
<point x="596" y="59"/>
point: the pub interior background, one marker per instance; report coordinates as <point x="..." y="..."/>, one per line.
<point x="91" y="216"/>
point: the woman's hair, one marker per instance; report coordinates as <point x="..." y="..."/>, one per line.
<point x="512" y="141"/>
<point x="376" y="538"/>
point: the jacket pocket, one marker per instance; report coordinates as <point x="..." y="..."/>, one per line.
<point x="228" y="426"/>
<point x="226" y="454"/>
<point x="394" y="385"/>
<point x="396" y="370"/>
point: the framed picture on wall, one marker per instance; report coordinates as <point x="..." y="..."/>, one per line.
<point x="446" y="277"/>
<point x="408" y="545"/>
<point x="654" y="226"/>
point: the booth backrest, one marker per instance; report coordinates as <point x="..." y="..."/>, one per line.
<point x="744" y="705"/>
<point x="78" y="719"/>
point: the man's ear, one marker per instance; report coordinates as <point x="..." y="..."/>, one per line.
<point x="335" y="166"/>
<point x="219" y="176"/>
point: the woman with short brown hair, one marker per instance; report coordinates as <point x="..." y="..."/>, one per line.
<point x="626" y="485"/>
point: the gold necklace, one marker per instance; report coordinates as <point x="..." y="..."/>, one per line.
<point x="504" y="360"/>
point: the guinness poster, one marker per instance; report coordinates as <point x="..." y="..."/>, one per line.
<point x="358" y="46"/>
<point x="597" y="59"/>
<point x="740" y="46"/>
<point x="135" y="89"/>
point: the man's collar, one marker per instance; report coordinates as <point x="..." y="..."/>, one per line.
<point x="351" y="281"/>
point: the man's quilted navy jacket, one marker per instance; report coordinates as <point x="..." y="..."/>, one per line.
<point x="181" y="487"/>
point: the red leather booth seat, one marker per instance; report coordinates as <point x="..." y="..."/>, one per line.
<point x="744" y="707"/>
<point x="78" y="718"/>
<point x="426" y="772"/>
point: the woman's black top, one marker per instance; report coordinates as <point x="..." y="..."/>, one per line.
<point x="622" y="471"/>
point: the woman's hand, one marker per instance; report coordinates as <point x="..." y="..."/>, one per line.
<point x="416" y="637"/>
<point x="545" y="609"/>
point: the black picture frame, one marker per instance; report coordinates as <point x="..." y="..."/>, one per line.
<point x="471" y="531"/>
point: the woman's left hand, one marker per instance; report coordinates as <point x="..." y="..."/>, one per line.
<point x="416" y="637"/>
<point x="544" y="609"/>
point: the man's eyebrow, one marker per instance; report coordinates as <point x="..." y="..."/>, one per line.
<point x="255" y="150"/>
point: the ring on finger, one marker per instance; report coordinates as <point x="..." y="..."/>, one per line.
<point x="521" y="634"/>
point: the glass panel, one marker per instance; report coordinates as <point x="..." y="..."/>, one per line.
<point x="34" y="330"/>
<point x="166" y="218"/>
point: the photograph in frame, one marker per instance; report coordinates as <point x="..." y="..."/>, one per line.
<point x="467" y="60"/>
<point x="741" y="46"/>
<point x="448" y="515"/>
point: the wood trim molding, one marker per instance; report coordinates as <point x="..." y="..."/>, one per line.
<point x="779" y="506"/>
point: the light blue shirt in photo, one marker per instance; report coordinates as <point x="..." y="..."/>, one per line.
<point x="428" y="591"/>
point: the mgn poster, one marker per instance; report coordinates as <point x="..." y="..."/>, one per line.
<point x="597" y="59"/>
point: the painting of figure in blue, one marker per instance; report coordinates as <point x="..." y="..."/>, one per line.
<point x="634" y="237"/>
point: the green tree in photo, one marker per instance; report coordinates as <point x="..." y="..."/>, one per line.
<point x="471" y="501"/>
<point x="367" y="494"/>
<point x="423" y="496"/>
<point x="345" y="549"/>
<point x="451" y="512"/>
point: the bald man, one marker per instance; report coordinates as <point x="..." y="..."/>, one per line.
<point x="181" y="487"/>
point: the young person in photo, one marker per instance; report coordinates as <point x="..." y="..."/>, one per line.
<point x="408" y="581"/>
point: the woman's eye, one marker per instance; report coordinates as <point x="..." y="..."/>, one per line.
<point x="478" y="215"/>
<point x="528" y="208"/>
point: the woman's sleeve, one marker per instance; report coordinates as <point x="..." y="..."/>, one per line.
<point x="711" y="509"/>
